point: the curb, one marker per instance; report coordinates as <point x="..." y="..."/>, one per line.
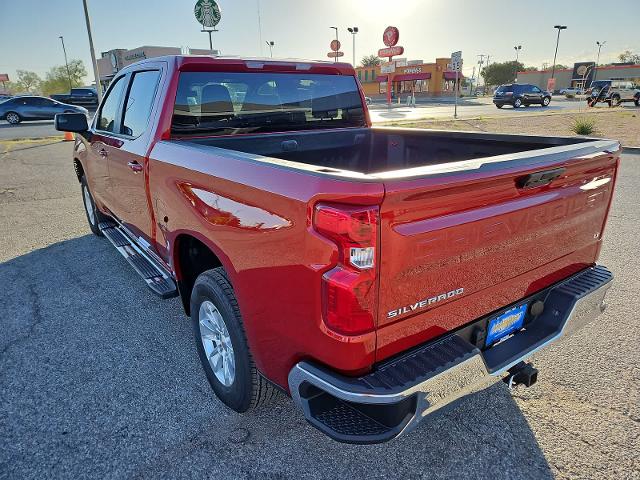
<point x="633" y="150"/>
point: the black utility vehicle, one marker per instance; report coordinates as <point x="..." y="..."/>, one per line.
<point x="518" y="94"/>
<point x="86" y="97"/>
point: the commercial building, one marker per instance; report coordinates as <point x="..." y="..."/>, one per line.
<point x="425" y="79"/>
<point x="115" y="60"/>
<point x="581" y="75"/>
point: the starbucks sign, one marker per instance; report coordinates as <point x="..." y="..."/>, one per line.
<point x="207" y="13"/>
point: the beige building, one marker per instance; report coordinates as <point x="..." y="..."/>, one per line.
<point x="114" y="60"/>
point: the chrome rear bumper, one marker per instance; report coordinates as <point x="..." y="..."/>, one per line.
<point x="395" y="397"/>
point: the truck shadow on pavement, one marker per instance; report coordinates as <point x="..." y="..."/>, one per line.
<point x="100" y="378"/>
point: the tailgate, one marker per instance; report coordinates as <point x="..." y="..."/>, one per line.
<point x="458" y="246"/>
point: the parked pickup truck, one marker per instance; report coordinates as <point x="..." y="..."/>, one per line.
<point x="87" y="97"/>
<point x="373" y="274"/>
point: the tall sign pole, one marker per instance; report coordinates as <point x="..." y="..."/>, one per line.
<point x="208" y="14"/>
<point x="456" y="65"/>
<point x="390" y="38"/>
<point x="93" y="52"/>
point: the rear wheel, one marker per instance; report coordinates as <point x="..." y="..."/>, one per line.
<point x="637" y="101"/>
<point x="517" y="103"/>
<point x="222" y="344"/>
<point x="94" y="217"/>
<point x="13" y="118"/>
<point x="615" y="101"/>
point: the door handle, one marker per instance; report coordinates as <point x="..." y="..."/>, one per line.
<point x="135" y="166"/>
<point x="103" y="153"/>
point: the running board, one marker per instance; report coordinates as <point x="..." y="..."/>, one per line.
<point x="157" y="278"/>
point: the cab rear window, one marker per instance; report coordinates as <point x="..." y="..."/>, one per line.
<point x="234" y="103"/>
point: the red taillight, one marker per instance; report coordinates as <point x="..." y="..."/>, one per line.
<point x="349" y="289"/>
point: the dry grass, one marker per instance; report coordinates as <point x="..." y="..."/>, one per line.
<point x="622" y="125"/>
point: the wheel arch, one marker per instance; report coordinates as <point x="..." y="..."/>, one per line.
<point x="191" y="254"/>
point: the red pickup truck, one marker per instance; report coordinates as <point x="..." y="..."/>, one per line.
<point x="373" y="274"/>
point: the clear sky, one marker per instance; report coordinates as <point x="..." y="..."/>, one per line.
<point x="300" y="28"/>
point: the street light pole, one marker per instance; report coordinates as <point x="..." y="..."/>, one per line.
<point x="353" y="31"/>
<point x="335" y="59"/>
<point x="66" y="62"/>
<point x="270" y="45"/>
<point x="517" y="48"/>
<point x="93" y="52"/>
<point x="555" y="56"/>
<point x="595" y="69"/>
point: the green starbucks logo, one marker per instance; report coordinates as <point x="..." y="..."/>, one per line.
<point x="207" y="13"/>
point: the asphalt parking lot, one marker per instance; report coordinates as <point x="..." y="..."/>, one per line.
<point x="100" y="378"/>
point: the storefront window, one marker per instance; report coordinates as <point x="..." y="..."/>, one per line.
<point x="366" y="75"/>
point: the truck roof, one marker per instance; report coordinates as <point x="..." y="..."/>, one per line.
<point x="196" y="62"/>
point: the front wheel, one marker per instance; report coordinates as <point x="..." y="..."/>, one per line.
<point x="222" y="344"/>
<point x="546" y="101"/>
<point x="615" y="101"/>
<point x="517" y="103"/>
<point x="13" y="118"/>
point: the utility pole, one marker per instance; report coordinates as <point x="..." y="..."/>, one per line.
<point x="260" y="27"/>
<point x="66" y="62"/>
<point x="560" y="28"/>
<point x="353" y="31"/>
<point x="480" y="63"/>
<point x="595" y="69"/>
<point x="93" y="52"/>
<point x="270" y="44"/>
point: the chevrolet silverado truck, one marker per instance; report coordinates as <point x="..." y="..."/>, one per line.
<point x="375" y="275"/>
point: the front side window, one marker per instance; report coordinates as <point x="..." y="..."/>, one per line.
<point x="139" y="102"/>
<point x="107" y="118"/>
<point x="237" y="103"/>
<point x="536" y="90"/>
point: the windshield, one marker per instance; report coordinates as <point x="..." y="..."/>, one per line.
<point x="599" y="84"/>
<point x="234" y="103"/>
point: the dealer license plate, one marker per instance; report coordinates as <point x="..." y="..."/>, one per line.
<point x="506" y="324"/>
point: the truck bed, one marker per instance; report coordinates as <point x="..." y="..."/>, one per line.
<point x="379" y="151"/>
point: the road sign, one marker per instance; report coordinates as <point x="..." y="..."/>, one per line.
<point x="390" y="51"/>
<point x="335" y="54"/>
<point x="335" y="45"/>
<point x="456" y="61"/>
<point x="207" y="13"/>
<point x="391" y="36"/>
<point x="388" y="67"/>
<point x="4" y="77"/>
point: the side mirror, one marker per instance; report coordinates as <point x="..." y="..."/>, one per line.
<point x="71" y="122"/>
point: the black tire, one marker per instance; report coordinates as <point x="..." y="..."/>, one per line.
<point x="615" y="101"/>
<point x="637" y="101"/>
<point x="517" y="103"/>
<point x="546" y="101"/>
<point x="591" y="103"/>
<point x="248" y="388"/>
<point x="13" y="118"/>
<point x="499" y="106"/>
<point x="94" y="217"/>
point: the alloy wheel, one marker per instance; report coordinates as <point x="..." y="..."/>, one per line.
<point x="216" y="342"/>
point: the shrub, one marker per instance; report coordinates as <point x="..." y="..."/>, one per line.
<point x="583" y="126"/>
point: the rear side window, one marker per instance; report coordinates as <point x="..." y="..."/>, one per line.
<point x="139" y="102"/>
<point x="107" y="118"/>
<point x="505" y="89"/>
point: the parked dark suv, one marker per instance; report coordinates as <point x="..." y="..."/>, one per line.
<point x="518" y="94"/>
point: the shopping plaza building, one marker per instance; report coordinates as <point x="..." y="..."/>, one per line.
<point x="425" y="79"/>
<point x="112" y="61"/>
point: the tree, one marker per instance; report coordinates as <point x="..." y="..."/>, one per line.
<point x="629" y="57"/>
<point x="57" y="80"/>
<point x="371" y="61"/>
<point x="499" y="73"/>
<point x="560" y="66"/>
<point x="27" y="82"/>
